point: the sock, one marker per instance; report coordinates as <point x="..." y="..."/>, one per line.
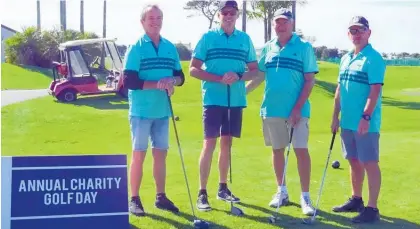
<point x="202" y="191"/>
<point x="133" y="198"/>
<point x="356" y="197"/>
<point x="305" y="194"/>
<point x="160" y="195"/>
<point x="222" y="186"/>
<point x="282" y="188"/>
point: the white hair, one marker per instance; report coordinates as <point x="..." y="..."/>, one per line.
<point x="147" y="8"/>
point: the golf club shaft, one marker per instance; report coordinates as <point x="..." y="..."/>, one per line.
<point x="285" y="165"/>
<point x="180" y="153"/>
<point x="323" y="176"/>
<point x="230" y="151"/>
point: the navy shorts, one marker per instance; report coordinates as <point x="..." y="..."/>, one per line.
<point x="216" y="123"/>
<point x="364" y="147"/>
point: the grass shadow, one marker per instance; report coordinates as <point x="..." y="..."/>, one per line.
<point x="329" y="89"/>
<point x="285" y="221"/>
<point x="102" y="102"/>
<point x="177" y="224"/>
<point x="385" y="222"/>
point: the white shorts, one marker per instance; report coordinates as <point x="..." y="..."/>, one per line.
<point x="276" y="133"/>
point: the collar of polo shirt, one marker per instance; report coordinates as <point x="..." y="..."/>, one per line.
<point x="363" y="51"/>
<point x="222" y="32"/>
<point x="146" y="38"/>
<point x="291" y="41"/>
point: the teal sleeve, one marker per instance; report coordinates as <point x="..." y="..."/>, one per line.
<point x="339" y="67"/>
<point x="132" y="58"/>
<point x="261" y="60"/>
<point x="177" y="61"/>
<point x="200" y="51"/>
<point x="309" y="63"/>
<point x="252" y="56"/>
<point x="376" y="70"/>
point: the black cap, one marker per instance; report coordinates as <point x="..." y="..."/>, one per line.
<point x="224" y="4"/>
<point x="359" y="21"/>
<point x="283" y="13"/>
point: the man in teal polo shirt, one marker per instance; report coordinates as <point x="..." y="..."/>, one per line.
<point x="358" y="97"/>
<point x="288" y="65"/>
<point x="151" y="70"/>
<point x="225" y="52"/>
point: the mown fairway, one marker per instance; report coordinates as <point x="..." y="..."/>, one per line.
<point x="100" y="126"/>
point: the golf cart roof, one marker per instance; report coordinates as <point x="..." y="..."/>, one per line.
<point x="84" y="42"/>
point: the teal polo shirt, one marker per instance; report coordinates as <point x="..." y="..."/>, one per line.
<point x="152" y="63"/>
<point x="284" y="69"/>
<point x="357" y="73"/>
<point x="220" y="54"/>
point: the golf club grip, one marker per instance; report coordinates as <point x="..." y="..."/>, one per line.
<point x="332" y="140"/>
<point x="291" y="135"/>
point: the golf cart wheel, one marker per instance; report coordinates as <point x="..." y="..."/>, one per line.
<point x="67" y="95"/>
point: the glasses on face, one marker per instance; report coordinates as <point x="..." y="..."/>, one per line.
<point x="357" y="31"/>
<point x="231" y="13"/>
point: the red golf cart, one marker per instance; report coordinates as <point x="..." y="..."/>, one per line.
<point x="76" y="73"/>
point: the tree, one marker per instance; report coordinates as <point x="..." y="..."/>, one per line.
<point x="415" y="55"/>
<point x="207" y="9"/>
<point x="264" y="10"/>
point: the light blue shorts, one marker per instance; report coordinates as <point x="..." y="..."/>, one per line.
<point x="364" y="147"/>
<point x="143" y="128"/>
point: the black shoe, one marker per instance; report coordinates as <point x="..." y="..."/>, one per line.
<point x="162" y="202"/>
<point x="368" y="215"/>
<point x="135" y="207"/>
<point x="226" y="195"/>
<point x="352" y="205"/>
<point x="203" y="203"/>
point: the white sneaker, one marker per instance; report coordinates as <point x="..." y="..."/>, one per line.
<point x="307" y="208"/>
<point x="281" y="198"/>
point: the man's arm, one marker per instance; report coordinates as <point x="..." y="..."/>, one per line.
<point x="251" y="73"/>
<point x="133" y="82"/>
<point x="252" y="63"/>
<point x="179" y="78"/>
<point x="254" y="83"/>
<point x="310" y="68"/>
<point x="376" y="75"/>
<point x="375" y="90"/>
<point x="197" y="72"/>
<point x="131" y="78"/>
<point x="337" y="105"/>
<point x="306" y="91"/>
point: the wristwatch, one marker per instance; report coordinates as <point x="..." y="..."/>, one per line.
<point x="366" y="117"/>
<point x="173" y="80"/>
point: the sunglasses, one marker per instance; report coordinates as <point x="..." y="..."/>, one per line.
<point x="356" y="31"/>
<point x="231" y="13"/>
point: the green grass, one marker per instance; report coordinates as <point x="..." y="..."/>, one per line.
<point x="24" y="77"/>
<point x="100" y="126"/>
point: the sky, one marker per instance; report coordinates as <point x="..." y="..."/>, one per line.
<point x="395" y="24"/>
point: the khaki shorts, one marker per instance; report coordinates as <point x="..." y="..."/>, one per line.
<point x="276" y="133"/>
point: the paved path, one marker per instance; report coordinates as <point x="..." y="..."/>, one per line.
<point x="15" y="96"/>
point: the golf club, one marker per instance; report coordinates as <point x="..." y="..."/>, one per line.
<point x="234" y="210"/>
<point x="311" y="220"/>
<point x="272" y="218"/>
<point x="199" y="224"/>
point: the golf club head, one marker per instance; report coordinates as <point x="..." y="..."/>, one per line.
<point x="309" y="220"/>
<point x="236" y="211"/>
<point x="273" y="219"/>
<point x="201" y="224"/>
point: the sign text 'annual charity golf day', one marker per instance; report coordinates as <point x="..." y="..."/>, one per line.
<point x="70" y="191"/>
